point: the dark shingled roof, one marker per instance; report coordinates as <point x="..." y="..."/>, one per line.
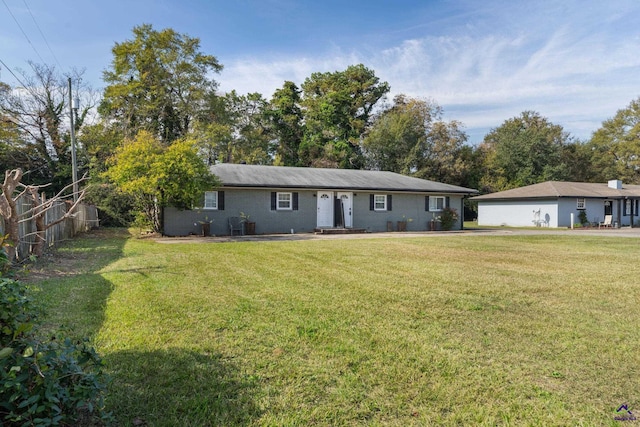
<point x="556" y="189"/>
<point x="237" y="175"/>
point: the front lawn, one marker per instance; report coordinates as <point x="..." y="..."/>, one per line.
<point x="446" y="330"/>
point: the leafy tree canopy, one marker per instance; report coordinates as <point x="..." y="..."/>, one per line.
<point x="157" y="82"/>
<point x="156" y="176"/>
<point x="411" y="138"/>
<point x="337" y="109"/>
<point x="250" y="138"/>
<point x="524" y="150"/>
<point x="285" y="119"/>
<point x="615" y="146"/>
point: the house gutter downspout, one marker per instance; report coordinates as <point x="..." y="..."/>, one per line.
<point x="464" y="197"/>
<point x="620" y="206"/>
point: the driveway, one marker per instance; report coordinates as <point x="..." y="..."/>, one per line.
<point x="608" y="232"/>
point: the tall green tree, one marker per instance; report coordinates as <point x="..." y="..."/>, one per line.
<point x="214" y="141"/>
<point x="235" y="129"/>
<point x="158" y="82"/>
<point x="156" y="176"/>
<point x="250" y="137"/>
<point x="523" y="150"/>
<point x="444" y="157"/>
<point x="615" y="146"/>
<point x="285" y="117"/>
<point x="337" y="109"/>
<point x="577" y="160"/>
<point x="99" y="141"/>
<point x="398" y="135"/>
<point x="412" y="139"/>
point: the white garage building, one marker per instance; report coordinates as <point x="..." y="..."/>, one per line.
<point x="551" y="203"/>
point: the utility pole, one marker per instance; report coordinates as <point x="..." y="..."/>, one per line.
<point x="74" y="166"/>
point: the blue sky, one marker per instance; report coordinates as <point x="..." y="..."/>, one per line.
<point x="574" y="62"/>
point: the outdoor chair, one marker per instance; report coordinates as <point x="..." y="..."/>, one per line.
<point x="606" y="222"/>
<point x="236" y="224"/>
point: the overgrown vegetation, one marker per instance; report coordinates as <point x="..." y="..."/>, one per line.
<point x="442" y="330"/>
<point x="45" y="381"/>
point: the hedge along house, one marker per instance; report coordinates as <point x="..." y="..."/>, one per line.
<point x="285" y="199"/>
<point x="551" y="203"/>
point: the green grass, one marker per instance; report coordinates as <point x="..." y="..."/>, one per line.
<point x="453" y="330"/>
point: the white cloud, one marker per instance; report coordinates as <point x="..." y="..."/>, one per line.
<point x="577" y="73"/>
<point x="265" y="76"/>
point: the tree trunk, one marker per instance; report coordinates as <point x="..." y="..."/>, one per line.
<point x="38" y="214"/>
<point x="8" y="210"/>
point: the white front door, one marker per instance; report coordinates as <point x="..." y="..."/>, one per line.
<point x="347" y="207"/>
<point x="325" y="209"/>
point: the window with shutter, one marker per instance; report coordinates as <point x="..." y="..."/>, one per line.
<point x="284" y="201"/>
<point x="437" y="203"/>
<point x="210" y="200"/>
<point x="380" y="202"/>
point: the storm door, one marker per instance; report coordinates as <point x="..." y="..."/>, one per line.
<point x="346" y="209"/>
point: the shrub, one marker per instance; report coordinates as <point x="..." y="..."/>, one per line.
<point x="448" y="218"/>
<point x="44" y="383"/>
<point x="582" y="217"/>
<point x="114" y="208"/>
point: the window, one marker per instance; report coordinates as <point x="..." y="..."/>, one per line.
<point x="629" y="207"/>
<point x="436" y="203"/>
<point x="582" y="204"/>
<point x="284" y="201"/>
<point x="380" y="202"/>
<point x="210" y="200"/>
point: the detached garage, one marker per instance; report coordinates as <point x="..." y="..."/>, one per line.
<point x="551" y="203"/>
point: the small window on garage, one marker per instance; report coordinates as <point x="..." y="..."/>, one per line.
<point x="582" y="203"/>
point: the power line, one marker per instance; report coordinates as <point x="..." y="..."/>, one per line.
<point x="23" y="33"/>
<point x="12" y="73"/>
<point x="41" y="33"/>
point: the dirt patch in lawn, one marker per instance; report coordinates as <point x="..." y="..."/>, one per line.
<point x="69" y="259"/>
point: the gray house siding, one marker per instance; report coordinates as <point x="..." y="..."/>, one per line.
<point x="595" y="209"/>
<point x="408" y="207"/>
<point x="257" y="204"/>
<point x="253" y="202"/>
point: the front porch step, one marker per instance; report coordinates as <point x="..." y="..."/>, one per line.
<point x="340" y="230"/>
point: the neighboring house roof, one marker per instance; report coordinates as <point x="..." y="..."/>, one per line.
<point x="238" y="175"/>
<point x="557" y="189"/>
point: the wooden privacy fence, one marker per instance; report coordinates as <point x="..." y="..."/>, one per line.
<point x="83" y="219"/>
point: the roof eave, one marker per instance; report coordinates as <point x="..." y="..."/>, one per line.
<point x="316" y="187"/>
